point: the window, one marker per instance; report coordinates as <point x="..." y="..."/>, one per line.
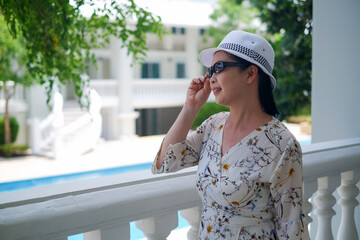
<point x="180" y="31"/>
<point x="150" y="70"/>
<point x="180" y="70"/>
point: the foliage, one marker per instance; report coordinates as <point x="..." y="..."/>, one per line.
<point x="58" y="37"/>
<point x="290" y="23"/>
<point x="14" y="129"/>
<point x="12" y="150"/>
<point x="206" y="111"/>
<point x="229" y="16"/>
<point x="12" y="57"/>
<point x="288" y="28"/>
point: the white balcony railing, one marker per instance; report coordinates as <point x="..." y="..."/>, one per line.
<point x="103" y="208"/>
<point x="148" y="93"/>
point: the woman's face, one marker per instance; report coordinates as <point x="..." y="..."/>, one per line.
<point x="229" y="85"/>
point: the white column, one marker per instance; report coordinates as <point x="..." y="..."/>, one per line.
<point x="335" y="70"/>
<point x="324" y="202"/>
<point x="158" y="228"/>
<point x="34" y="138"/>
<point x="192" y="66"/>
<point x="122" y="71"/>
<point x="192" y="216"/>
<point x="348" y="192"/>
<point x="36" y="98"/>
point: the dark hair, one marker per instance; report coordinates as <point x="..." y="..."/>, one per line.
<point x="266" y="96"/>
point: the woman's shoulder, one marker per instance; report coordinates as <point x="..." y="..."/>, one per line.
<point x="217" y="117"/>
<point x="280" y="134"/>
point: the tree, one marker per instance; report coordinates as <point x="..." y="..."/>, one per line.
<point x="230" y="16"/>
<point x="290" y="24"/>
<point x="287" y="25"/>
<point x="58" y="38"/>
<point x="12" y="70"/>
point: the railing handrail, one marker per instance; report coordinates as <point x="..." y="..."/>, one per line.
<point x="329" y="158"/>
<point x="89" y="208"/>
<point x="311" y="167"/>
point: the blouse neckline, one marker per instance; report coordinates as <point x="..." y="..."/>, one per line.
<point x="243" y="139"/>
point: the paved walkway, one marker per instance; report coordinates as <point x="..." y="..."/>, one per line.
<point x="107" y="154"/>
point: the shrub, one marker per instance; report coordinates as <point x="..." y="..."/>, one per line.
<point x="14" y="129"/>
<point x="13" y="150"/>
<point x="206" y="111"/>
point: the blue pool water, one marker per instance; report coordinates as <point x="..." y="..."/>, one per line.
<point x="37" y="182"/>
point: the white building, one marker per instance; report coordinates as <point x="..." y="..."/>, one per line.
<point x="138" y="100"/>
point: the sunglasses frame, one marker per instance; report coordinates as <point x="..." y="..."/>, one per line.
<point x="220" y="66"/>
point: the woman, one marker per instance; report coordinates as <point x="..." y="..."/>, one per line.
<point x="249" y="174"/>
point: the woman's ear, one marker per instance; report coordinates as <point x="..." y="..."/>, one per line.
<point x="252" y="73"/>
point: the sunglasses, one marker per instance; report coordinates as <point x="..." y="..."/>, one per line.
<point x="220" y="66"/>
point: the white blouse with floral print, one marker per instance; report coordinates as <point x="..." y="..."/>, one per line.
<point x="253" y="191"/>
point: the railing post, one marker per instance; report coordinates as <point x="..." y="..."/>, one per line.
<point x="348" y="192"/>
<point x="309" y="188"/>
<point x="158" y="228"/>
<point x="93" y="235"/>
<point x="324" y="202"/>
<point x="116" y="232"/>
<point x="192" y="216"/>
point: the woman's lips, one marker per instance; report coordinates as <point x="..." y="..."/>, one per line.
<point x="216" y="90"/>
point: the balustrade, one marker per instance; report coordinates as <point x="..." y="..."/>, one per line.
<point x="102" y="209"/>
<point x="147" y="92"/>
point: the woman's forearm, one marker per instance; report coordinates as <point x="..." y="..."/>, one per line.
<point x="178" y="130"/>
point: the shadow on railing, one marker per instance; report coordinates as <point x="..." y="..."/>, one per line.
<point x="103" y="208"/>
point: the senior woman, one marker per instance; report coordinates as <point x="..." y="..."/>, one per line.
<point x="249" y="165"/>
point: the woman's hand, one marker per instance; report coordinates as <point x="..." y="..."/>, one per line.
<point x="198" y="92"/>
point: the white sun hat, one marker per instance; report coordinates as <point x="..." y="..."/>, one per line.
<point x="248" y="46"/>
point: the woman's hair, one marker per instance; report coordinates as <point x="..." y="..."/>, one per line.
<point x="266" y="96"/>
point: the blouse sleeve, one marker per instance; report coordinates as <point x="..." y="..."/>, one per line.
<point x="286" y="192"/>
<point x="183" y="154"/>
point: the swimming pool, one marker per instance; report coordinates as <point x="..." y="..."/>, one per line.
<point x="37" y="182"/>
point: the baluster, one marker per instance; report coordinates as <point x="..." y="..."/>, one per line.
<point x="348" y="192"/>
<point x="158" y="228"/>
<point x="93" y="235"/>
<point x="309" y="189"/>
<point x="192" y="216"/>
<point x="324" y="201"/>
<point x="116" y="232"/>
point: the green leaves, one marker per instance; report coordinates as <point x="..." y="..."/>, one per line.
<point x="290" y="24"/>
<point x="58" y="39"/>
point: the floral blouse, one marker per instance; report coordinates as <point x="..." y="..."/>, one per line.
<point x="253" y="191"/>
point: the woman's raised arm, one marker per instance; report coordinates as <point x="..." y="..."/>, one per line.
<point x="197" y="95"/>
